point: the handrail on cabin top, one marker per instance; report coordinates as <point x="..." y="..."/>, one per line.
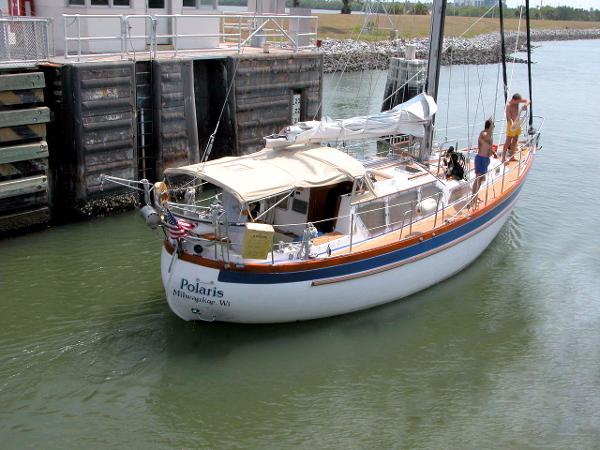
<point x="226" y="242"/>
<point x="531" y="139"/>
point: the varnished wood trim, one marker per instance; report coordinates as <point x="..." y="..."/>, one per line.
<point x="376" y="270"/>
<point x="295" y="266"/>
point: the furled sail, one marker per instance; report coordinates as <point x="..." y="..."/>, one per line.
<point x="407" y="118"/>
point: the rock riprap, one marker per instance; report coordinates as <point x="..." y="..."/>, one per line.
<point x="353" y="55"/>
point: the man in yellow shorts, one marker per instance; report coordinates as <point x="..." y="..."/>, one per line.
<point x="513" y="125"/>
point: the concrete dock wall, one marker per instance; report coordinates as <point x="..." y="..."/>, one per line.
<point x="175" y="129"/>
<point x="145" y="120"/>
<point x="265" y="88"/>
<point x="134" y="119"/>
<point x="211" y="83"/>
<point x="405" y="80"/>
<point x="94" y="131"/>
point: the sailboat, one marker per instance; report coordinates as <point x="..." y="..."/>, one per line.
<point x="304" y="230"/>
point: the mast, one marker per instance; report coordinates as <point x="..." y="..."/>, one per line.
<point x="529" y="64"/>
<point x="438" y="13"/>
<point x="503" y="49"/>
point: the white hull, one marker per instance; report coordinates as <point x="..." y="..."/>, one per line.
<point x="194" y="292"/>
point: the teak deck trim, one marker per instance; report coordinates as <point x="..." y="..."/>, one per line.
<point x="375" y="246"/>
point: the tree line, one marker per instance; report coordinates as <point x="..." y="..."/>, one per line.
<point x="420" y="8"/>
<point x="543" y="13"/>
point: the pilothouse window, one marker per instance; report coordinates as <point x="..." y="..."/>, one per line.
<point x="299" y="206"/>
<point x="283" y="202"/>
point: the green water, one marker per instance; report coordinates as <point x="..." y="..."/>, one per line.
<point x="504" y="355"/>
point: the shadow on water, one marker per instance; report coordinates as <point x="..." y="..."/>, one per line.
<point x="150" y="315"/>
<point x="431" y="353"/>
<point x="214" y="340"/>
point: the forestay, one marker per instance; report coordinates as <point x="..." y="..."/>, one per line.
<point x="271" y="172"/>
<point x="407" y="118"/>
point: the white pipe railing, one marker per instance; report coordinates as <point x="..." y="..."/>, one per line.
<point x="233" y="32"/>
<point x="458" y="205"/>
<point x="462" y="202"/>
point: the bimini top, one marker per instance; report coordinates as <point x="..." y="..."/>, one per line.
<point x="271" y="172"/>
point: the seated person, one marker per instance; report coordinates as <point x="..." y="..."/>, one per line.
<point x="454" y="163"/>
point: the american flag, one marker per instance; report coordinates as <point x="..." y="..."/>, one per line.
<point x="175" y="228"/>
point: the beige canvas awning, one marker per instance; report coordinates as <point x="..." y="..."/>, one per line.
<point x="275" y="171"/>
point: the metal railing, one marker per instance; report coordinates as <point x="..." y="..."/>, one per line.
<point x="126" y="35"/>
<point x="445" y="211"/>
<point x="24" y="40"/>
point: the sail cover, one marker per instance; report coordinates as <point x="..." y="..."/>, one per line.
<point x="271" y="172"/>
<point x="406" y="118"/>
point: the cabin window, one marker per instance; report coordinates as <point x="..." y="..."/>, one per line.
<point x="99" y="2"/>
<point x="189" y="3"/>
<point x="77" y="2"/>
<point x="284" y="203"/>
<point x="372" y="215"/>
<point x="299" y="206"/>
<point x="400" y="207"/>
<point x="429" y="191"/>
<point x="120" y="2"/>
<point x="458" y="193"/>
<point x="156" y="4"/>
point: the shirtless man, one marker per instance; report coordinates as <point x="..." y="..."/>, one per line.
<point x="513" y="126"/>
<point x="485" y="150"/>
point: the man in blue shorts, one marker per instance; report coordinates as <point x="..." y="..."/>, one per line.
<point x="485" y="150"/>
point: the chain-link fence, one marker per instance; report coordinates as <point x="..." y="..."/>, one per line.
<point x="24" y="39"/>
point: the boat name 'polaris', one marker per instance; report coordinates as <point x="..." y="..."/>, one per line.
<point x="201" y="290"/>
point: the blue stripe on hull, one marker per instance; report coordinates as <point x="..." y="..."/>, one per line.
<point x="229" y="276"/>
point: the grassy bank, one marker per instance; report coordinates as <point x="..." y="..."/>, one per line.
<point x="342" y="26"/>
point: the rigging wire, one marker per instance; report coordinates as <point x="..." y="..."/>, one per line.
<point x="512" y="71"/>
<point x="419" y="72"/>
<point x="211" y="139"/>
<point x="448" y="93"/>
<point x="479" y="101"/>
<point x="357" y="96"/>
<point x="529" y="63"/>
<point x="466" y="83"/>
<point x="496" y="95"/>
<point x="512" y="67"/>
<point x="345" y="66"/>
<point x="490" y="9"/>
<point x="450" y="49"/>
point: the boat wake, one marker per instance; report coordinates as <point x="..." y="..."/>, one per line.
<point x="511" y="236"/>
